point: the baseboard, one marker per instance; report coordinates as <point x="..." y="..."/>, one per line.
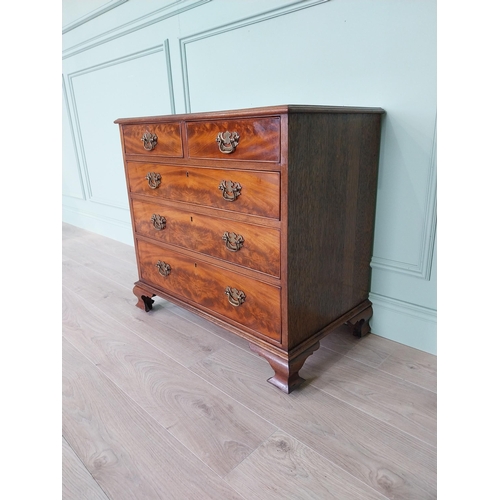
<point x="105" y="226"/>
<point x="403" y="322"/>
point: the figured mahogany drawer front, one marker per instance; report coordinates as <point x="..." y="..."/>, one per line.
<point x="247" y="245"/>
<point x="161" y="139"/>
<point x="250" y="303"/>
<point x="256" y="139"/>
<point x="245" y="191"/>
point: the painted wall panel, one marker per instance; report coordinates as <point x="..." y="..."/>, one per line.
<point x="126" y="87"/>
<point x="161" y="57"/>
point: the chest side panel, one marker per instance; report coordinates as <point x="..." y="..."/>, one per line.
<point x="333" y="161"/>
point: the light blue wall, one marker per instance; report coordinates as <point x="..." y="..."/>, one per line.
<point x="126" y="58"/>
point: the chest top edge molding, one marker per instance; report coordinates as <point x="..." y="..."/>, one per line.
<point x="259" y="111"/>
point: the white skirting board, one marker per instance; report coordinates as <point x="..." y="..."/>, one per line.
<point x="403" y="322"/>
<point x="105" y="226"/>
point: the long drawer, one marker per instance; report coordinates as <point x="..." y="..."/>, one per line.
<point x="247" y="245"/>
<point x="250" y="192"/>
<point x="252" y="304"/>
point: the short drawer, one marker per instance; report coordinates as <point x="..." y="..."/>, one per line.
<point x="247" y="245"/>
<point x="245" y="191"/>
<point x="159" y="139"/>
<point x="256" y="139"/>
<point x="249" y="303"/>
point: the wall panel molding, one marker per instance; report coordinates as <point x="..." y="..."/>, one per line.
<point x="154" y="17"/>
<point x="240" y="23"/>
<point x="80" y="142"/>
<point x="424" y="266"/>
<point x="73" y="141"/>
<point x="168" y="63"/>
<point x="92" y="15"/>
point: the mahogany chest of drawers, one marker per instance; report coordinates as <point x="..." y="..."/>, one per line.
<point x="260" y="220"/>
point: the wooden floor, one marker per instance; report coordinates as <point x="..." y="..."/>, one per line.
<point x="164" y="404"/>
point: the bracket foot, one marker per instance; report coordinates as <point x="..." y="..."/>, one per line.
<point x="359" y="325"/>
<point x="144" y="298"/>
<point x="286" y="372"/>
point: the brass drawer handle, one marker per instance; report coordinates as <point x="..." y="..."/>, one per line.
<point x="234" y="296"/>
<point x="153" y="179"/>
<point x="159" y="222"/>
<point x="230" y="190"/>
<point x="227" y="141"/>
<point x="233" y="241"/>
<point x="149" y="140"/>
<point x="163" y="268"/>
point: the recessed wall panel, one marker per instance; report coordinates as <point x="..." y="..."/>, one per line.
<point x="135" y="86"/>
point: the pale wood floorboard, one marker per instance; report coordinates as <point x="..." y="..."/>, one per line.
<point x="128" y="453"/>
<point x="412" y="365"/>
<point x="166" y="405"/>
<point x="284" y="468"/>
<point x="384" y="457"/>
<point x="77" y="482"/>
<point x="372" y="350"/>
<point x="406" y="406"/>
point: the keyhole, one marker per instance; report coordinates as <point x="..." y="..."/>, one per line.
<point x="187" y="174"/>
<point x="191" y="219"/>
<point x="195" y="264"/>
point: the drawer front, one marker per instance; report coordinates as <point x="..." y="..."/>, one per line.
<point x="245" y="191"/>
<point x="256" y="139"/>
<point x="162" y="139"/>
<point x="247" y="302"/>
<point x="247" y="245"/>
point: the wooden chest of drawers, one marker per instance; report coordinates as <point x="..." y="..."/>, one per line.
<point x="260" y="220"/>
